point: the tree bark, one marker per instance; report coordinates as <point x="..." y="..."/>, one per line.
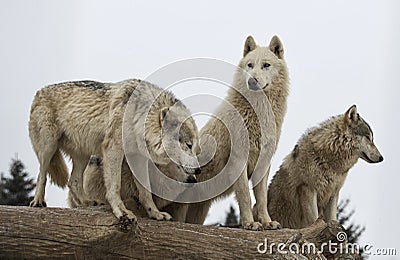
<point x="93" y="233"/>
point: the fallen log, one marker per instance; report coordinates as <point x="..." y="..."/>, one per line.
<point x="94" y="232"/>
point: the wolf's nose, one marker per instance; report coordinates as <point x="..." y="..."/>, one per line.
<point x="253" y="84"/>
<point x="380" y="158"/>
<point x="191" y="179"/>
<point x="197" y="171"/>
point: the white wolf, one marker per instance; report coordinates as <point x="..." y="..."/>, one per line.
<point x="262" y="75"/>
<point x="86" y="117"/>
<point x="308" y="182"/>
<point x="93" y="185"/>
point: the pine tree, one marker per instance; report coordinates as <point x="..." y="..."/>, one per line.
<point x="231" y="218"/>
<point x="16" y="189"/>
<point x="353" y="231"/>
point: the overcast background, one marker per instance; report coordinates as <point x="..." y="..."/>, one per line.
<point x="339" y="53"/>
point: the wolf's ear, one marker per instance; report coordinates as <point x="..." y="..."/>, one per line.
<point x="249" y="45"/>
<point x="276" y="47"/>
<point x="163" y="113"/>
<point x="351" y="114"/>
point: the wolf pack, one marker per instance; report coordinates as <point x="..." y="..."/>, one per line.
<point x="92" y="123"/>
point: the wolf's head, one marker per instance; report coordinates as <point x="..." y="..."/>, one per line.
<point x="361" y="136"/>
<point x="262" y="64"/>
<point x="180" y="138"/>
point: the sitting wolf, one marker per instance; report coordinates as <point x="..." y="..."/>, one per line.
<point x="86" y="117"/>
<point x="93" y="185"/>
<point x="308" y="182"/>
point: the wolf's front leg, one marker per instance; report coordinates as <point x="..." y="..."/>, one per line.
<point x="308" y="204"/>
<point x="143" y="186"/>
<point x="260" y="208"/>
<point x="178" y="211"/>
<point x="197" y="212"/>
<point x="330" y="210"/>
<point x="243" y="197"/>
<point x="112" y="162"/>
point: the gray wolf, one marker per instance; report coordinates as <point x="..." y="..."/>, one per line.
<point x="86" y="117"/>
<point x="94" y="187"/>
<point x="308" y="182"/>
<point x="262" y="72"/>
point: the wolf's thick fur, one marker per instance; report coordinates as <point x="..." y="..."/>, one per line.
<point x="268" y="74"/>
<point x="93" y="185"/>
<point x="308" y="182"/>
<point x="85" y="117"/>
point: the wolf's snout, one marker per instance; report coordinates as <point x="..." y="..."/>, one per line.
<point x="191" y="179"/>
<point x="197" y="171"/>
<point x="252" y="83"/>
<point x="377" y="160"/>
<point x="371" y="159"/>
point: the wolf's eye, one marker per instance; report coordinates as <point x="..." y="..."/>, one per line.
<point x="189" y="145"/>
<point x="266" y="65"/>
<point x="250" y="65"/>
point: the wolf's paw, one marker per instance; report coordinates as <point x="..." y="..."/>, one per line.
<point x="272" y="225"/>
<point x="256" y="226"/>
<point x="40" y="203"/>
<point x="128" y="223"/>
<point x="159" y="215"/>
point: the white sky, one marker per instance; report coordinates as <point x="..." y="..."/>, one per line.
<point x="339" y="53"/>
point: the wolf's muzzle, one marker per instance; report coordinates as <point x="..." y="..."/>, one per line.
<point x="252" y="83"/>
<point x="190" y="170"/>
<point x="191" y="179"/>
<point x="369" y="160"/>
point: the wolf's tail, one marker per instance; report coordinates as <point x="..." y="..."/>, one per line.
<point x="58" y="170"/>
